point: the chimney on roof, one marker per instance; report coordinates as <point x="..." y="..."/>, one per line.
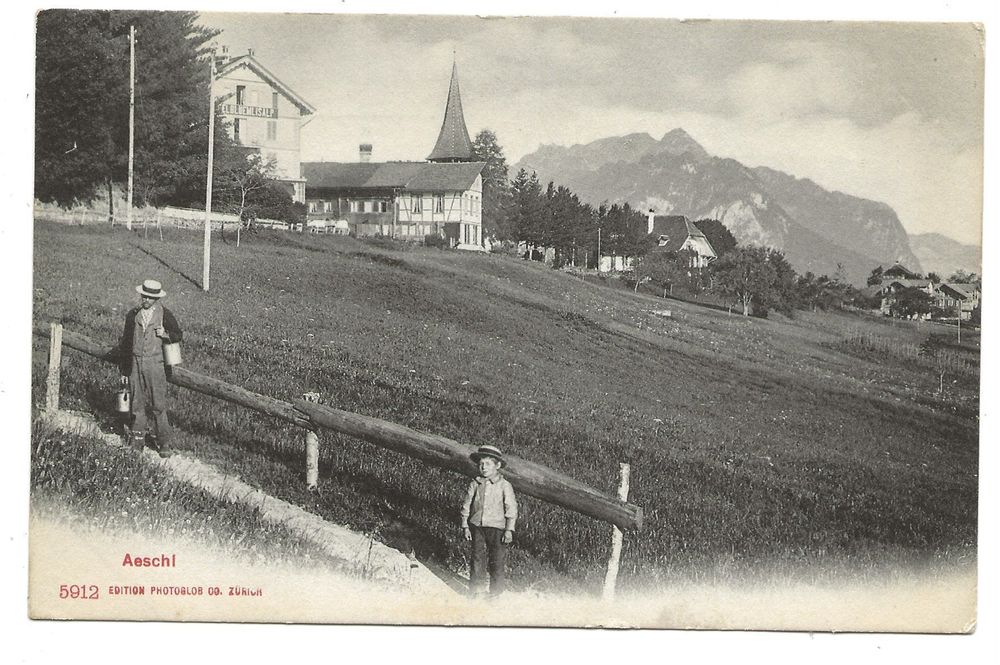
<point x="222" y="57"/>
<point x="650" y="217"/>
<point x="250" y="51"/>
<point x="365" y="152"/>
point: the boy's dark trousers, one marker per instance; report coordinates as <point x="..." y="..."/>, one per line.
<point x="489" y="553"/>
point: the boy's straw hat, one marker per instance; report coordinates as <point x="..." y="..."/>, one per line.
<point x="487" y="451"/>
<point x="151" y="288"/>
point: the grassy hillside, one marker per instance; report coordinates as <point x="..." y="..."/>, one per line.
<point x="797" y="446"/>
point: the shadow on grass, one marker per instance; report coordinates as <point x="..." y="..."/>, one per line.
<point x="167" y="265"/>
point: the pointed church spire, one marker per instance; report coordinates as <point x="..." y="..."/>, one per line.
<point x="453" y="144"/>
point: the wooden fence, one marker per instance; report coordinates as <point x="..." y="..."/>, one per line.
<point x="527" y="477"/>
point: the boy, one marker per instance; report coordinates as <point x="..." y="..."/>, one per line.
<point x="489" y="513"/>
<point x="147" y="328"/>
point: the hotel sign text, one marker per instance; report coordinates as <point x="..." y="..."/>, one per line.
<point x="255" y="111"/>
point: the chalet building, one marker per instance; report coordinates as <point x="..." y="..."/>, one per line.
<point x="408" y="200"/>
<point x="676" y="233"/>
<point x="441" y="196"/>
<point x="265" y="114"/>
<point x="957" y="299"/>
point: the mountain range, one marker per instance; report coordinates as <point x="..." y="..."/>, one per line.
<point x="818" y="230"/>
<point x="940" y="254"/>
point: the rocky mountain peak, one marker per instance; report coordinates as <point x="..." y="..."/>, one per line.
<point x="678" y="142"/>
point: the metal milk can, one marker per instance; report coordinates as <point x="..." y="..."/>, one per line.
<point x="172" y="354"/>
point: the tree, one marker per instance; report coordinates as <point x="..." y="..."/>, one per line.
<point x="235" y="184"/>
<point x="666" y="270"/>
<point x="962" y="277"/>
<point x="875" y="278"/>
<point x="526" y="208"/>
<point x="934" y="277"/>
<point x="910" y="301"/>
<point x="81" y="106"/>
<point x="497" y="196"/>
<point x="781" y="295"/>
<point x="718" y="235"/>
<point x="746" y="275"/>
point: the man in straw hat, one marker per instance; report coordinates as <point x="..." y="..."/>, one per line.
<point x="489" y="513"/>
<point x="147" y="328"/>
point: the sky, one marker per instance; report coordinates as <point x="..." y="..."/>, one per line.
<point x="889" y="111"/>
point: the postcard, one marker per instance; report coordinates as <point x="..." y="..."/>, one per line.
<point x="506" y="321"/>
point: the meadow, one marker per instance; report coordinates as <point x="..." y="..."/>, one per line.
<point x="824" y="445"/>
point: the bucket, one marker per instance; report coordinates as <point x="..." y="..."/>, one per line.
<point x="123" y="401"/>
<point x="172" y="354"/>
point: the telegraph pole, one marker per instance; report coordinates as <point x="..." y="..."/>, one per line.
<point x="598" y="249"/>
<point x="131" y="121"/>
<point x="206" y="256"/>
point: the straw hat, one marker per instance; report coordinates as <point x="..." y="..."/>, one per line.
<point x="151" y="288"/>
<point x="487" y="451"/>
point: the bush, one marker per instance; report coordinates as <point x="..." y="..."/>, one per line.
<point x="504" y="247"/>
<point x="435" y="240"/>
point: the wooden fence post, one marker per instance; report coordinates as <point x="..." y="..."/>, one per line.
<point x="616" y="540"/>
<point x="312" y="449"/>
<point x="312" y="459"/>
<point x="55" y="362"/>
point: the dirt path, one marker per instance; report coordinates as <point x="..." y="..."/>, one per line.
<point x="371" y="559"/>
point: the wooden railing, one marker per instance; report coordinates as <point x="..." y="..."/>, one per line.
<point x="527" y="477"/>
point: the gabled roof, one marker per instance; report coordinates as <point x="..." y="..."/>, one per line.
<point x="251" y="63"/>
<point x="412" y="176"/>
<point x="914" y="283"/>
<point x="901" y="270"/>
<point x="672" y="231"/>
<point x="342" y="175"/>
<point x="963" y="291"/>
<point x="453" y="144"/>
<point x="394" y="174"/>
<point x="459" y="175"/>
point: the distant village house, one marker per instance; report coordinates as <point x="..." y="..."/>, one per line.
<point x="676" y="233"/>
<point x="952" y="300"/>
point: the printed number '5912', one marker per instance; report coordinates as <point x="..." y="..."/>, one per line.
<point x="78" y="591"/>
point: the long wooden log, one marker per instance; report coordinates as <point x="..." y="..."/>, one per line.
<point x="192" y="380"/>
<point x="530" y="478"/>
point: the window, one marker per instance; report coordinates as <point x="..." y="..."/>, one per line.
<point x="236" y="130"/>
<point x="272" y="130"/>
<point x="439" y="203"/>
<point x="416" y="201"/>
<point x="383" y="206"/>
<point x="369" y="206"/>
<point x="356" y="206"/>
<point x="327" y="206"/>
<point x="314" y="206"/>
<point x="241" y="95"/>
<point x="274" y="103"/>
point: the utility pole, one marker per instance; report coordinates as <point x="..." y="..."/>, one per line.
<point x="131" y="121"/>
<point x="206" y="254"/>
<point x="959" y="307"/>
<point x="598" y="249"/>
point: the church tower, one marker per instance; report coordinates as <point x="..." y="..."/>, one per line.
<point x="453" y="144"/>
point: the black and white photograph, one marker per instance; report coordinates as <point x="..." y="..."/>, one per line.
<point x="505" y="320"/>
